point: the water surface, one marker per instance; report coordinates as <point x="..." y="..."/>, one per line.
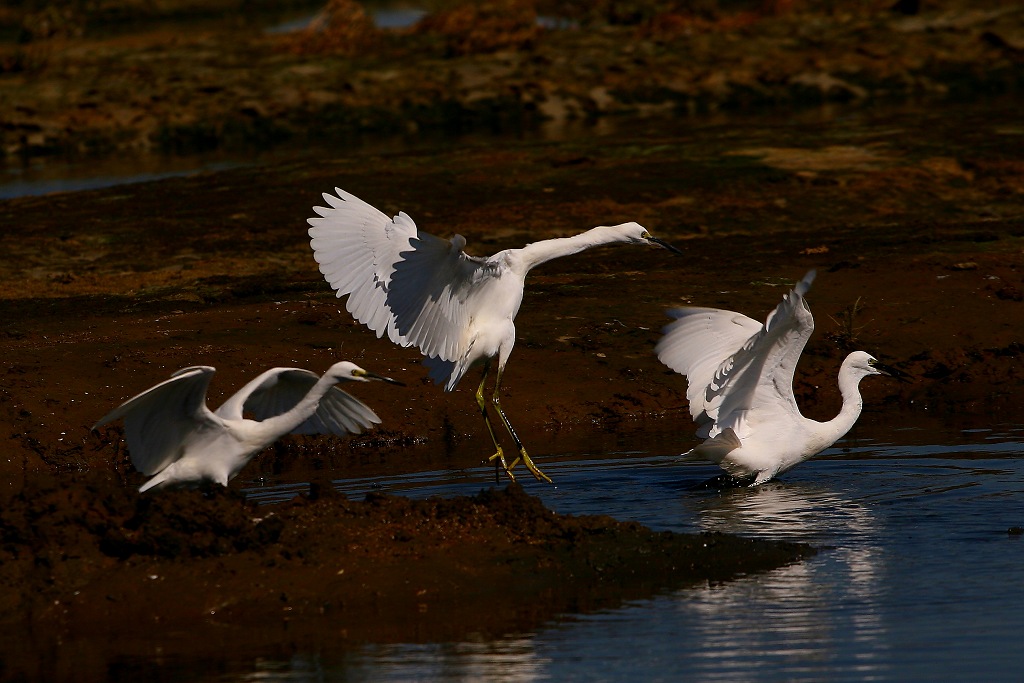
<point x="919" y="575"/>
<point x="918" y="578"/>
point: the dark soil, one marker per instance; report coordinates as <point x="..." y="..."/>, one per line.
<point x="107" y="292"/>
<point x="204" y="573"/>
<point x="206" y="85"/>
<point x="914" y="219"/>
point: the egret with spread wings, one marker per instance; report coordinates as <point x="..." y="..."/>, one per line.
<point x="177" y="440"/>
<point x="424" y="291"/>
<point x="740" y="386"/>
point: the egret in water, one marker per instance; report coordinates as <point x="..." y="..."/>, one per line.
<point x="424" y="291"/>
<point x="740" y="386"/>
<point x="175" y="438"/>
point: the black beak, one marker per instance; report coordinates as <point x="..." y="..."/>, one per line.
<point x="664" y="245"/>
<point x="381" y="378"/>
<point x="891" y="371"/>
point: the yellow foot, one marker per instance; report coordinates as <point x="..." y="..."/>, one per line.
<point x="534" y="470"/>
<point x="500" y="455"/>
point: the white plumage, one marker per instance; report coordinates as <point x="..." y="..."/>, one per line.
<point x="740" y="385"/>
<point x="177" y="440"/>
<point x="423" y="291"/>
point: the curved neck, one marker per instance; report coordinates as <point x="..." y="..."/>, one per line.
<point x="288" y="421"/>
<point x="853" y="403"/>
<point x="541" y="252"/>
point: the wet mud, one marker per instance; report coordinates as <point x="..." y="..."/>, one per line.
<point x="203" y="573"/>
<point x="108" y="292"/>
<point x="914" y="219"/>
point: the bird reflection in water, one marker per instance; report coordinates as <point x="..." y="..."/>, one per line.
<point x="792" y="611"/>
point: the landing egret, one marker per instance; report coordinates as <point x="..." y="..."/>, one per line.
<point x="173" y="435"/>
<point x="740" y="386"/>
<point x="424" y="291"/>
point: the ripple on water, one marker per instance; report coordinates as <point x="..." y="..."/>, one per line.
<point x="918" y="578"/>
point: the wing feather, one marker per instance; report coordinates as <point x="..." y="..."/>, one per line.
<point x="339" y="408"/>
<point x="732" y="362"/>
<point x="158" y="421"/>
<point x="357" y="246"/>
<point x="400" y="281"/>
<point x="761" y="373"/>
<point x="431" y="295"/>
<point x="696" y="344"/>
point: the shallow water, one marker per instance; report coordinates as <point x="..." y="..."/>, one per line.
<point x="918" y="578"/>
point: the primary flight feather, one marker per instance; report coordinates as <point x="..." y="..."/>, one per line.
<point x="424" y="291"/>
<point x="740" y="385"/>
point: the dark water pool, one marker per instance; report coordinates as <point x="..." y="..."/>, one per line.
<point x="920" y="576"/>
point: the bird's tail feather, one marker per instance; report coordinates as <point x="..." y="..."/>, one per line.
<point x="716" y="448"/>
<point x="443" y="371"/>
<point x="155" y="482"/>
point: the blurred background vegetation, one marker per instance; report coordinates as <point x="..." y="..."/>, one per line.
<point x="28" y="20"/>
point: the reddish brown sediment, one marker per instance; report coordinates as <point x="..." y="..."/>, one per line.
<point x="917" y="242"/>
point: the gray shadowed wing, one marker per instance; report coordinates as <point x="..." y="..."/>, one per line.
<point x="159" y="419"/>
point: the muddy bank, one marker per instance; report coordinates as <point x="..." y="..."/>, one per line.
<point x="914" y="219"/>
<point x="106" y="292"/>
<point x="232" y="85"/>
<point x="917" y="243"/>
<point x="200" y="574"/>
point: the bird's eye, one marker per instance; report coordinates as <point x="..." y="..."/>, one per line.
<point x="646" y="235"/>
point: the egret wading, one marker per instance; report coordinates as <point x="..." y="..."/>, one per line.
<point x="740" y="386"/>
<point x="424" y="291"/>
<point x="175" y="438"/>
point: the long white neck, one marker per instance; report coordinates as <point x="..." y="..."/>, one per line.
<point x="853" y="403"/>
<point x="533" y="255"/>
<point x="303" y="410"/>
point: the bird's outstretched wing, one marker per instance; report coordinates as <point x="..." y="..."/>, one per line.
<point x="760" y="374"/>
<point x="278" y="390"/>
<point x="413" y="286"/>
<point x="357" y="247"/>
<point x="436" y="291"/>
<point x="158" y="420"/>
<point x="695" y="345"/>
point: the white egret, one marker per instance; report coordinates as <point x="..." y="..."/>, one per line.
<point x="424" y="291"/>
<point x="740" y="386"/>
<point x="175" y="438"/>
